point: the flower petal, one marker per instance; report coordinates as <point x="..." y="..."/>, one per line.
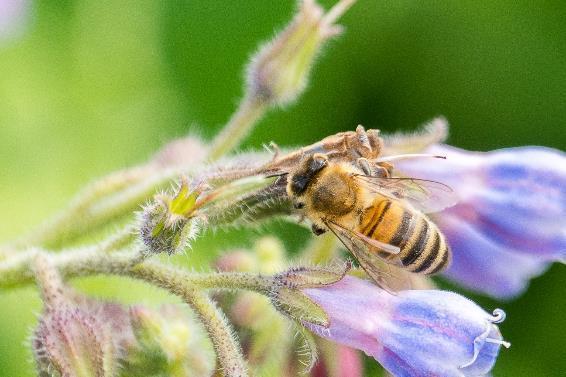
<point x="414" y="333"/>
<point x="484" y="266"/>
<point x="512" y="207"/>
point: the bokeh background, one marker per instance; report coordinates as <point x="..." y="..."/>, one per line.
<point x="87" y="87"/>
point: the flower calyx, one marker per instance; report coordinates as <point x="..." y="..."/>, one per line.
<point x="288" y="298"/>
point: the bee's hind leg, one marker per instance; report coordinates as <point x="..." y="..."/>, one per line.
<point x="371" y="169"/>
<point x="363" y="164"/>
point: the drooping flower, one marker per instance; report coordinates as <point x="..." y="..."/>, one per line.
<point x="509" y="223"/>
<point x="414" y="333"/>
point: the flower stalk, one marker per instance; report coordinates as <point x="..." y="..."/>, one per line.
<point x="84" y="262"/>
<point x="250" y="111"/>
<point x="101" y="203"/>
<point x="226" y="346"/>
<point x="279" y="71"/>
<point x="188" y="287"/>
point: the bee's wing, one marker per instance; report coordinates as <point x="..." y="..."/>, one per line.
<point x="426" y="196"/>
<point x="375" y="257"/>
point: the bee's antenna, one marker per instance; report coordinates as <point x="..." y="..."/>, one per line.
<point x="277" y="175"/>
<point x="407" y="156"/>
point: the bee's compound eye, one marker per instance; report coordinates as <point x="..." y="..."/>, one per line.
<point x="299" y="205"/>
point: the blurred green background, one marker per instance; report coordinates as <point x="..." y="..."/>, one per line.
<point x="88" y="87"/>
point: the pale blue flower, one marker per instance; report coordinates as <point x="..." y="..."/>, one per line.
<point x="414" y="333"/>
<point x="510" y="222"/>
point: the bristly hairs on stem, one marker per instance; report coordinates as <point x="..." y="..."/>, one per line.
<point x="223" y="337"/>
<point x="308" y="353"/>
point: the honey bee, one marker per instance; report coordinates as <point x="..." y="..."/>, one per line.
<point x="380" y="219"/>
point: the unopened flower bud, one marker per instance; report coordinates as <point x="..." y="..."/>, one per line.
<point x="171" y="221"/>
<point x="270" y="253"/>
<point x="279" y="71"/>
<point x="184" y="152"/>
<point x="168" y="343"/>
<point x="76" y="336"/>
<point x="73" y="342"/>
<point x="165" y="224"/>
<point x="237" y="260"/>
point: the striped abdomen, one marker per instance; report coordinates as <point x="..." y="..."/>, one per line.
<point x="423" y="247"/>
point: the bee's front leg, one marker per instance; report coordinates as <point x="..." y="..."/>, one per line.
<point x="363" y="164"/>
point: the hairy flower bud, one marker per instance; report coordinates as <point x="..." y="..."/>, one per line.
<point x="160" y="235"/>
<point x="237" y="260"/>
<point x="270" y="254"/>
<point x="165" y="224"/>
<point x="73" y="342"/>
<point x="280" y="70"/>
<point x="76" y="336"/>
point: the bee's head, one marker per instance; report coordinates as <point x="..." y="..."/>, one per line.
<point x="322" y="188"/>
<point x="303" y="175"/>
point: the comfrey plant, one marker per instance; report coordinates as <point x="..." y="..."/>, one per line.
<point x="511" y="208"/>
